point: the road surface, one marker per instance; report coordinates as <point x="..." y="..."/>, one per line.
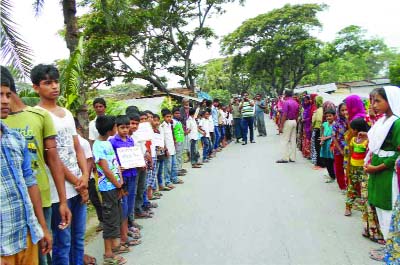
<point x="243" y="208"/>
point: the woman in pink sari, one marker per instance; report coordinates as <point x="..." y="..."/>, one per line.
<point x="307" y="116"/>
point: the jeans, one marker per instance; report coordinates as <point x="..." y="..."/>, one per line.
<point x="217" y="134"/>
<point x="68" y="244"/>
<point x="193" y="152"/>
<point x="247" y="124"/>
<point x="128" y="201"/>
<point x="47" y="216"/>
<point x="170" y="172"/>
<point x="95" y="200"/>
<point x="160" y="171"/>
<point x="238" y="127"/>
<point x="140" y="188"/>
<point x="206" y="147"/>
<point x="261" y="124"/>
<point x="179" y="155"/>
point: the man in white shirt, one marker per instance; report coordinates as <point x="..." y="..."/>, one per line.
<point x="193" y="134"/>
<point x="99" y="106"/>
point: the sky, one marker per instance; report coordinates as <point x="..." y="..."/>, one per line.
<point x="379" y="18"/>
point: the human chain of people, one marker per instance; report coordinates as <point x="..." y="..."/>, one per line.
<point x="50" y="172"/>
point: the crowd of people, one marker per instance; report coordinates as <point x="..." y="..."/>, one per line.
<point x="358" y="142"/>
<point x="50" y="172"/>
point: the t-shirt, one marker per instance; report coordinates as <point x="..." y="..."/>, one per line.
<point x="65" y="128"/>
<point x="168" y="137"/>
<point x="179" y="133"/>
<point x="205" y="126"/>
<point x="247" y="110"/>
<point x="191" y="124"/>
<point x="35" y="125"/>
<point x="86" y="149"/>
<point x="210" y="124"/>
<point x="260" y="106"/>
<point x="103" y="150"/>
<point x="93" y="133"/>
<point x="359" y="152"/>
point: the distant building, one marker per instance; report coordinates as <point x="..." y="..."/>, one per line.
<point x="363" y="87"/>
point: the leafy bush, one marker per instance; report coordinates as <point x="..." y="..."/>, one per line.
<point x="114" y="108"/>
<point x="223" y="95"/>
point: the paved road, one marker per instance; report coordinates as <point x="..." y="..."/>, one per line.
<point x="243" y="208"/>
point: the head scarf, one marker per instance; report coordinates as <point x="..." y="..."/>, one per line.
<point x="319" y="101"/>
<point x="355" y="107"/>
<point x="307" y="108"/>
<point x="328" y="105"/>
<point x="381" y="128"/>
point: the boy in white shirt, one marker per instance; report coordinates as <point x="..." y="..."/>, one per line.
<point x="204" y="128"/>
<point x="193" y="134"/>
<point x="170" y="170"/>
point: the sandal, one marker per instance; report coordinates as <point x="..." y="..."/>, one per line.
<point x="157" y="193"/>
<point x="121" y="249"/>
<point x="131" y="243"/>
<point x="196" y="166"/>
<point x="347" y="212"/>
<point x="377" y="255"/>
<point x="89" y="260"/>
<point x="165" y="188"/>
<point x="134" y="235"/>
<point x="179" y="182"/>
<point x="114" y="260"/>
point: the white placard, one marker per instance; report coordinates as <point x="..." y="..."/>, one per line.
<point x="144" y="132"/>
<point x="158" y="140"/>
<point x="131" y="157"/>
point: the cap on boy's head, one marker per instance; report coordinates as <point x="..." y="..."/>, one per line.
<point x="132" y="110"/>
<point x="156" y="116"/>
<point x="44" y="72"/>
<point x="165" y="112"/>
<point x="134" y="117"/>
<point x="7" y="79"/>
<point x="122" y="120"/>
<point x="105" y="124"/>
<point x="77" y="123"/>
<point x="99" y="101"/>
<point x="192" y="111"/>
<point x="175" y="109"/>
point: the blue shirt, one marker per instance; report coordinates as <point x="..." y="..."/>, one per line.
<point x="116" y="143"/>
<point x="103" y="150"/>
<point x="258" y="104"/>
<point x="16" y="211"/>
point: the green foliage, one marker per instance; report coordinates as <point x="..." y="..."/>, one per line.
<point x="169" y="103"/>
<point x="394" y="72"/>
<point x="277" y="47"/>
<point x="114" y="108"/>
<point x="72" y="97"/>
<point x="223" y="95"/>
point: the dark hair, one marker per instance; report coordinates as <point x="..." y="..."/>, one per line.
<point x="359" y="125"/>
<point x="105" y="124"/>
<point x="7" y="79"/>
<point x="207" y="110"/>
<point x="99" y="101"/>
<point x="339" y="107"/>
<point x="176" y="109"/>
<point x="133" y="116"/>
<point x="122" y="120"/>
<point x="201" y="113"/>
<point x="330" y="111"/>
<point x="165" y="112"/>
<point x="44" y="72"/>
<point x="156" y="116"/>
<point x="380" y="91"/>
<point x="142" y="113"/>
<point x="216" y="100"/>
<point x="288" y="93"/>
<point x="132" y="110"/>
<point x="192" y="111"/>
<point x="148" y="112"/>
<point x="208" y="103"/>
<point x="77" y="123"/>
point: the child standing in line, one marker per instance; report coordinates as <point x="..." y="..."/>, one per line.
<point x="193" y="131"/>
<point x="179" y="137"/>
<point x="170" y="172"/>
<point x="158" y="157"/>
<point x="204" y="129"/>
<point x="121" y="141"/>
<point x="110" y="184"/>
<point x="326" y="140"/>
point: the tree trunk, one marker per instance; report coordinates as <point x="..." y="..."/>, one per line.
<point x="70" y="21"/>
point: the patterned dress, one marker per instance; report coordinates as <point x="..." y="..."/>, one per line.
<point x="392" y="256"/>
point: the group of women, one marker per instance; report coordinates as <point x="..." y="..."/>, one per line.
<point x="364" y="141"/>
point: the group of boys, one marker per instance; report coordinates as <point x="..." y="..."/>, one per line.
<point x="49" y="169"/>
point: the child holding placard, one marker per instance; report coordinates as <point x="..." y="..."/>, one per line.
<point x="123" y="146"/>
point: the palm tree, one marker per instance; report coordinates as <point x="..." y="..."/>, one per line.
<point x="14" y="50"/>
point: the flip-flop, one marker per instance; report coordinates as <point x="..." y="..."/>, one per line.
<point x="89" y="260"/>
<point x="121" y="249"/>
<point x="132" y="243"/>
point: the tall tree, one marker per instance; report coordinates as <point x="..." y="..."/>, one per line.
<point x="279" y="45"/>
